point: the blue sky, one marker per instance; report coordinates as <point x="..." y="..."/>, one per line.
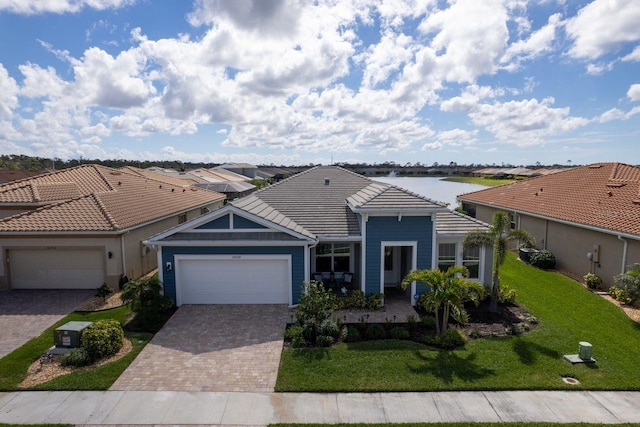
<point x="298" y="82"/>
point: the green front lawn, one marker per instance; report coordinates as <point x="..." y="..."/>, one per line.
<point x="568" y="313"/>
<point x="13" y="366"/>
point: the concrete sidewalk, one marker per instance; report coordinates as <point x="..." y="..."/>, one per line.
<point x="259" y="409"/>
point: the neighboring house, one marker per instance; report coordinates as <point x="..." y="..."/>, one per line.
<point x="84" y="226"/>
<point x="228" y="183"/>
<point x="588" y="216"/>
<point x="245" y="169"/>
<point x="8" y="175"/>
<point x="326" y="223"/>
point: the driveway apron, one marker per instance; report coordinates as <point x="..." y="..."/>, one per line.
<point x="25" y="314"/>
<point x="212" y="348"/>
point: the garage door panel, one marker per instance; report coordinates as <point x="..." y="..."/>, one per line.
<point x="234" y="281"/>
<point x="56" y="269"/>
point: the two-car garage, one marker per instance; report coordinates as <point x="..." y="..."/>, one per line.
<point x="232" y="279"/>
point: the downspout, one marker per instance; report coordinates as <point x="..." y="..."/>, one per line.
<point x="123" y="255"/>
<point x="624" y="254"/>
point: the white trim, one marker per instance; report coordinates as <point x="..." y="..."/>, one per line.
<point x="396" y="211"/>
<point x="434" y="241"/>
<point x="178" y="258"/>
<point x="213" y="215"/>
<point x="414" y="261"/>
<point x="363" y="252"/>
<point x="160" y="268"/>
<point x="230" y="243"/>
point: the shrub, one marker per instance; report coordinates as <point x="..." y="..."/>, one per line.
<point x="78" y="357"/>
<point x="145" y="298"/>
<point x="429" y="322"/>
<point x="506" y="295"/>
<point x="324" y="341"/>
<point x="626" y="287"/>
<point x="452" y="338"/>
<point x="352" y="334"/>
<point x="104" y="291"/>
<point x="399" y="333"/>
<point x="314" y="307"/>
<point x="330" y="328"/>
<point x="543" y="259"/>
<point x="376" y="332"/>
<point x="293" y="332"/>
<point x="375" y="301"/>
<point x="593" y="281"/>
<point x="103" y="338"/>
<point x="357" y="300"/>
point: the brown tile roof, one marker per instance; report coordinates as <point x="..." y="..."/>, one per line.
<point x="603" y="195"/>
<point x="100" y="199"/>
<point x="7" y="175"/>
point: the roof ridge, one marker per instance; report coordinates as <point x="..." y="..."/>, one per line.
<point x="104" y="211"/>
<point x="428" y="199"/>
<point x="98" y="169"/>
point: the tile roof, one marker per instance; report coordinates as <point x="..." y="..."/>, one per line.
<point x="7" y="175"/>
<point x="100" y="199"/>
<point x="603" y="195"/>
<point x="452" y="223"/>
<point x="315" y="201"/>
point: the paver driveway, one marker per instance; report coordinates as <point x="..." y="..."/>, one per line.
<point x="24" y="314"/>
<point x="212" y="348"/>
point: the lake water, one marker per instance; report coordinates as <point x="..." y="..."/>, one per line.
<point x="433" y="188"/>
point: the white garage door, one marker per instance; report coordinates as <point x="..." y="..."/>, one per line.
<point x="242" y="279"/>
<point x="56" y="268"/>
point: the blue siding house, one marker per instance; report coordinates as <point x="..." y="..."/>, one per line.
<point x="326" y="224"/>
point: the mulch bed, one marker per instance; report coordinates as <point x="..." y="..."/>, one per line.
<point x="509" y="320"/>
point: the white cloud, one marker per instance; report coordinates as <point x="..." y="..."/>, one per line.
<point x="457" y="137"/>
<point x="32" y="7"/>
<point x="599" y="68"/>
<point x="634" y="92"/>
<point x="431" y="146"/>
<point x="40" y="82"/>
<point x="602" y="26"/>
<point x="468" y="48"/>
<point x="8" y="93"/>
<point x="634" y="56"/>
<point x="524" y="122"/>
<point x="385" y="57"/>
<point x="609" y="115"/>
<point x="539" y="42"/>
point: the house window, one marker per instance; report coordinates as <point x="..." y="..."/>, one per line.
<point x="333" y="257"/>
<point x="471" y="260"/>
<point x="446" y="256"/>
<point x="513" y="220"/>
<point x="182" y="218"/>
<point x="204" y="210"/>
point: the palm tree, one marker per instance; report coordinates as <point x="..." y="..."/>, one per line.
<point x="448" y="292"/>
<point x="498" y="234"/>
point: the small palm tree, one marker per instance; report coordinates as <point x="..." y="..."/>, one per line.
<point x="448" y="292"/>
<point x="498" y="234"/>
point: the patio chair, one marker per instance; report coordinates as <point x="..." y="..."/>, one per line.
<point x="347" y="280"/>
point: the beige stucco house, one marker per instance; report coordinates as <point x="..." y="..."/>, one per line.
<point x="84" y="226"/>
<point x="588" y="216"/>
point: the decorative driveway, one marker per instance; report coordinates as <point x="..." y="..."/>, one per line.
<point x="25" y="314"/>
<point x="212" y="348"/>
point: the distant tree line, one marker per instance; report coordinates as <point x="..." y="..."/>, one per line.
<point x="40" y="164"/>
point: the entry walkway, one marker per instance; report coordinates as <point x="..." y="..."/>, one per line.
<point x="260" y="409"/>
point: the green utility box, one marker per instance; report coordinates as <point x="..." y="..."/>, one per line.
<point x="585" y="350"/>
<point x="69" y="335"/>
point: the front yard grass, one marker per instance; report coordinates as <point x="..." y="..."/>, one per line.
<point x="568" y="313"/>
<point x="13" y="366"/>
